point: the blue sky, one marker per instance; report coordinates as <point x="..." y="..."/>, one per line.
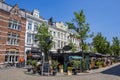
<point x="102" y="15"/>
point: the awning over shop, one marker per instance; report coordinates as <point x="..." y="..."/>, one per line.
<point x="36" y="56"/>
<point x="75" y="57"/>
<point x="33" y="51"/>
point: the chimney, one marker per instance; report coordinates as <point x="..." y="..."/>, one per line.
<point x="2" y="0"/>
<point x="50" y="21"/>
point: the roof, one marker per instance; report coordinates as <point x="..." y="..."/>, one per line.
<point x="6" y="7"/>
<point x="72" y="31"/>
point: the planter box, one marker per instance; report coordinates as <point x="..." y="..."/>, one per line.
<point x="61" y="70"/>
<point x="69" y="72"/>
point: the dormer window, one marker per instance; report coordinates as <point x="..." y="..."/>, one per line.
<point x="15" y="12"/>
<point x="36" y="13"/>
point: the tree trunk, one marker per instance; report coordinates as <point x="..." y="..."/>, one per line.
<point x="46" y="56"/>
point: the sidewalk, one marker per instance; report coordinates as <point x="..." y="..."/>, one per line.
<point x="102" y="69"/>
<point x="94" y="71"/>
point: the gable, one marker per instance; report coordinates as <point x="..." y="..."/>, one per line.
<point x="15" y="11"/>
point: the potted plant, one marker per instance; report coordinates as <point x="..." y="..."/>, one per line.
<point x="29" y="65"/>
<point x="100" y="64"/>
<point x="61" y="68"/>
<point x="69" y="70"/>
<point x="92" y="64"/>
<point x="54" y="65"/>
<point x="75" y="64"/>
<point x="34" y="65"/>
<point x="83" y="65"/>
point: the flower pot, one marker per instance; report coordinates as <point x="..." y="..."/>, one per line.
<point x="69" y="72"/>
<point x="29" y="69"/>
<point x="54" y="73"/>
<point x="61" y="70"/>
<point x="34" y="71"/>
<point x="100" y="66"/>
<point x="74" y="72"/>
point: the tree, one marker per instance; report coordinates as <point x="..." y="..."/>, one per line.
<point x="101" y="44"/>
<point x="73" y="46"/>
<point x="115" y="46"/>
<point x="83" y="28"/>
<point x="71" y="25"/>
<point x="108" y="48"/>
<point x="44" y="38"/>
<point x="86" y="47"/>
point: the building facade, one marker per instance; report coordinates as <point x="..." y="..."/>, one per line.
<point x="62" y="36"/>
<point x="59" y="32"/>
<point x="33" y="20"/>
<point x="72" y="38"/>
<point x="12" y="34"/>
<point x="18" y="28"/>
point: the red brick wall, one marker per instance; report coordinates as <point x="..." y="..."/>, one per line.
<point x="4" y="20"/>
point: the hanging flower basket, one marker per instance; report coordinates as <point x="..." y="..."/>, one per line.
<point x="21" y="59"/>
<point x="30" y="55"/>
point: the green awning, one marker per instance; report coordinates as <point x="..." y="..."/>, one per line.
<point x="75" y="57"/>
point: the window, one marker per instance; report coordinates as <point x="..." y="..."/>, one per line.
<point x="54" y="46"/>
<point x="14" y="24"/>
<point x="64" y="43"/>
<point x="64" y="36"/>
<point x="19" y="25"/>
<point x="54" y="34"/>
<point x="61" y="44"/>
<point x="16" y="59"/>
<point x="8" y="41"/>
<point x="13" y="39"/>
<point x="51" y="32"/>
<point x="29" y="26"/>
<point x="11" y="56"/>
<point x="35" y="27"/>
<point x="58" y="34"/>
<point x="10" y="23"/>
<point x="29" y="38"/>
<point x="6" y="58"/>
<point x="15" y="12"/>
<point x="58" y="44"/>
<point x="33" y="38"/>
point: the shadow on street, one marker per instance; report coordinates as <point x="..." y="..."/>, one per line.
<point x="113" y="71"/>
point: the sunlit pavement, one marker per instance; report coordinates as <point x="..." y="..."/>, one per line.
<point x="109" y="73"/>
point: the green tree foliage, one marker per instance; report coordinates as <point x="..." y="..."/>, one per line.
<point x="75" y="63"/>
<point x="79" y="18"/>
<point x="71" y="25"/>
<point x="108" y="48"/>
<point x="101" y="44"/>
<point x="83" y="28"/>
<point x="79" y="24"/>
<point x="41" y="37"/>
<point x="73" y="46"/>
<point x="115" y="46"/>
<point x="86" y="47"/>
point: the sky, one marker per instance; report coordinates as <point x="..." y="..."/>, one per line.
<point x="102" y="15"/>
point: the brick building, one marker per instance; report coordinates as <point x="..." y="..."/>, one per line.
<point x="12" y="34"/>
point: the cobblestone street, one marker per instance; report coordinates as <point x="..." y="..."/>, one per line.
<point x="20" y="74"/>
